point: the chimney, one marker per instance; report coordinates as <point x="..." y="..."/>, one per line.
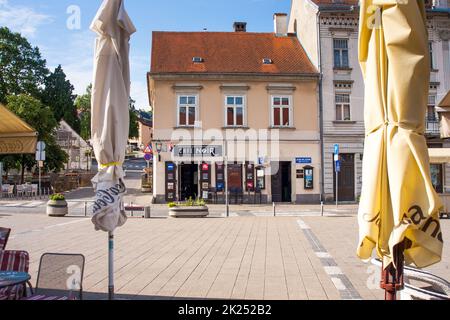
<point x="281" y="24"/>
<point x="240" y="27"/>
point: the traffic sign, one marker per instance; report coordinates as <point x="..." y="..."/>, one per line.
<point x="148" y="157"/>
<point x="338" y="166"/>
<point x="336" y="149"/>
<point x="148" y="150"/>
<point x="40" y="155"/>
<point x="41" y="146"/>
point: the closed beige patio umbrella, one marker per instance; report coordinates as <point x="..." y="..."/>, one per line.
<point x="110" y="117"/>
<point x="399" y="209"/>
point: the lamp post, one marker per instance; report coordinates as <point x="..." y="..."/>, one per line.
<point x="159" y="146"/>
<point x="227" y="200"/>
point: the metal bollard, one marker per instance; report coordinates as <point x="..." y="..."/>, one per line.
<point x="147" y="213"/>
<point x="85" y="209"/>
<point x="274" y="210"/>
<point x="321" y="208"/>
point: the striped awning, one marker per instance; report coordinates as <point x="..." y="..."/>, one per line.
<point x="439" y="155"/>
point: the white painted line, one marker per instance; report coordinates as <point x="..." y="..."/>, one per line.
<point x="32" y="204"/>
<point x="333" y="271"/>
<point x="11" y="205"/>
<point x="339" y="284"/>
<point x="303" y="225"/>
<point x="323" y="255"/>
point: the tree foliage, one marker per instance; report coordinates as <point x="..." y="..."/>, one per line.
<point x="22" y="68"/>
<point x="83" y="105"/>
<point x="58" y="95"/>
<point x="134" y="121"/>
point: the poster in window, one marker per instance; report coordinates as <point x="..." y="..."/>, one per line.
<point x="170" y="176"/>
<point x="309" y="179"/>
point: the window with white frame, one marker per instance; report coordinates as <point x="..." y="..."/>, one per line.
<point x="343" y="112"/>
<point x="340" y="48"/>
<point x="187" y="110"/>
<point x="234" y="111"/>
<point x="282" y="111"/>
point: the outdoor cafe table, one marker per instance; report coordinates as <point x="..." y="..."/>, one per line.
<point x="13" y="278"/>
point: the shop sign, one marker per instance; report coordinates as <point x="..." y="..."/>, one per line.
<point x="303" y="160"/>
<point x="198" y="151"/>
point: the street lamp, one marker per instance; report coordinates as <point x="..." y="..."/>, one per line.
<point x="159" y="146"/>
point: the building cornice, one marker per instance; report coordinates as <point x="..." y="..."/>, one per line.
<point x="264" y="77"/>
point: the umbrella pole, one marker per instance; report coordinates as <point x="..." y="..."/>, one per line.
<point x="392" y="279"/>
<point x="111" y="265"/>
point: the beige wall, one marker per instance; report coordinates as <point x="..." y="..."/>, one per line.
<point x="145" y="134"/>
<point x="304" y="17"/>
<point x="212" y="103"/>
<point x="303" y="140"/>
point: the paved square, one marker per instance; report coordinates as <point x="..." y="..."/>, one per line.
<point x="251" y="257"/>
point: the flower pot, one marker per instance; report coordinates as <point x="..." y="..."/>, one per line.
<point x="57" y="208"/>
<point x="189" y="212"/>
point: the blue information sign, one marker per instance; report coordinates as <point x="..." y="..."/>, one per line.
<point x="336" y="149"/>
<point x="303" y="160"/>
<point x="148" y="157"/>
<point x="338" y="166"/>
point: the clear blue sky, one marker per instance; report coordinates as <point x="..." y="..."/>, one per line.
<point x="44" y="23"/>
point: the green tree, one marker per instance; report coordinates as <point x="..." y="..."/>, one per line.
<point x="41" y="118"/>
<point x="134" y="121"/>
<point x="22" y="68"/>
<point x="83" y="105"/>
<point x="58" y="95"/>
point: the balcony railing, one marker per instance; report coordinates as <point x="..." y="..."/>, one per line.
<point x="432" y="126"/>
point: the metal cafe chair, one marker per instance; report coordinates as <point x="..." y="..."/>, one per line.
<point x="4" y="235"/>
<point x="18" y="261"/>
<point x="20" y="191"/>
<point x="213" y="193"/>
<point x="60" y="277"/>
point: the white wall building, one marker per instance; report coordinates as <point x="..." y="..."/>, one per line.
<point x="74" y="146"/>
<point x="328" y="30"/>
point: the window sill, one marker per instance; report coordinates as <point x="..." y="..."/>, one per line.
<point x="186" y="127"/>
<point x="235" y="127"/>
<point x="342" y="69"/>
<point x="282" y="128"/>
<point x="344" y="122"/>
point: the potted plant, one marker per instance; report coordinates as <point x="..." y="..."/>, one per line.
<point x="189" y="209"/>
<point x="57" y="206"/>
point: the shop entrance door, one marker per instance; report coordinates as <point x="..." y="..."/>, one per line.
<point x="188" y="182"/>
<point x="346" y="178"/>
<point x="281" y="182"/>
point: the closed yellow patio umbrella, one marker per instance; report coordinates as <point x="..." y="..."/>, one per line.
<point x="399" y="209"/>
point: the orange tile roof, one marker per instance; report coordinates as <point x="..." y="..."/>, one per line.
<point x="228" y="52"/>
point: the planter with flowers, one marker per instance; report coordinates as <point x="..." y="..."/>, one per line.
<point x="57" y="206"/>
<point x="189" y="209"/>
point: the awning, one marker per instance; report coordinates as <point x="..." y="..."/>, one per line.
<point x="439" y="155"/>
<point x="16" y="136"/>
